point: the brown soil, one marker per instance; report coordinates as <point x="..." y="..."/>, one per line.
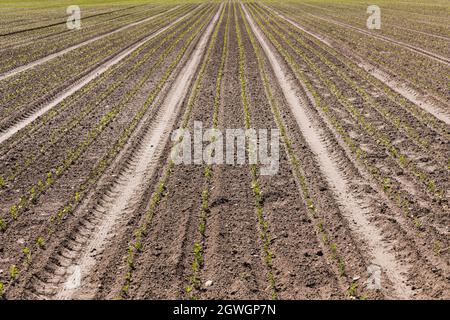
<point x="322" y="222"/>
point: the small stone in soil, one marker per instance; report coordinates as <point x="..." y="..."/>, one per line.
<point x="208" y="283"/>
<point x="310" y="283"/>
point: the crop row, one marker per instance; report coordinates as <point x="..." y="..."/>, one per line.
<point x="198" y="249"/>
<point x="64" y="128"/>
<point x="102" y="165"/>
<point x="19" y="85"/>
<point x="93" y="85"/>
<point x="389" y="187"/>
<point x="393" y="26"/>
<point x="419" y="71"/>
<point x="419" y="114"/>
<point x="160" y="192"/>
<point x="23" y="21"/>
<point x="430" y="186"/>
<point x="43" y="184"/>
<point x="37" y="85"/>
<point x="92" y="25"/>
<point x="17" y="56"/>
<point x="255" y="185"/>
<point x="385" y="111"/>
<point x="296" y="166"/>
<point x="387" y="116"/>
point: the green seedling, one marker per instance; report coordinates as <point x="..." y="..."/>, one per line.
<point x="40" y="242"/>
<point x="13" y="272"/>
<point x="41" y="186"/>
<point x="27" y="254"/>
<point x="33" y="195"/>
<point x="352" y="290"/>
<point x="14" y="211"/>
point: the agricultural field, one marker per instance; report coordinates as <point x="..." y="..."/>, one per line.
<point x="117" y="180"/>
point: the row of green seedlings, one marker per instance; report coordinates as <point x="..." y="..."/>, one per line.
<point x="394" y="120"/>
<point x="419" y="79"/>
<point x="47" y="117"/>
<point x="91" y="27"/>
<point x="58" y="134"/>
<point x="429" y="184"/>
<point x="297" y="170"/>
<point x="198" y="262"/>
<point x="96" y="173"/>
<point x="160" y="192"/>
<point x="43" y="50"/>
<point x="353" y="13"/>
<point x="96" y="55"/>
<point x="256" y="188"/>
<point x="403" y="161"/>
<point x="394" y="193"/>
<point x="418" y="113"/>
<point x="41" y="187"/>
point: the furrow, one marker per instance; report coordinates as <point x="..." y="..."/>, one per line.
<point x="428" y="103"/>
<point x="62" y="52"/>
<point x="383" y="254"/>
<point x="8" y="133"/>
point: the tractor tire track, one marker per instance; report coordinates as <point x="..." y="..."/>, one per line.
<point x="410" y="47"/>
<point x="352" y="207"/>
<point x="64" y="22"/>
<point x="39" y="110"/>
<point x="430" y="104"/>
<point x="62" y="52"/>
<point x="81" y="253"/>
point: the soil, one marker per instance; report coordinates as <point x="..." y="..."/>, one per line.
<point x="324" y="220"/>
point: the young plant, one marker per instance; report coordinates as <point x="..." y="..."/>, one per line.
<point x="207" y="172"/>
<point x="352" y="290"/>
<point x="138" y="242"/>
<point x="27" y="255"/>
<point x="14" y="211"/>
<point x="49" y="180"/>
<point x="333" y="247"/>
<point x="198" y="258"/>
<point x="341" y="266"/>
<point x="40" y="242"/>
<point x="205" y="197"/>
<point x="130" y="257"/>
<point x="13" y="272"/>
<point x="33" y="195"/>
<point x="41" y="186"/>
